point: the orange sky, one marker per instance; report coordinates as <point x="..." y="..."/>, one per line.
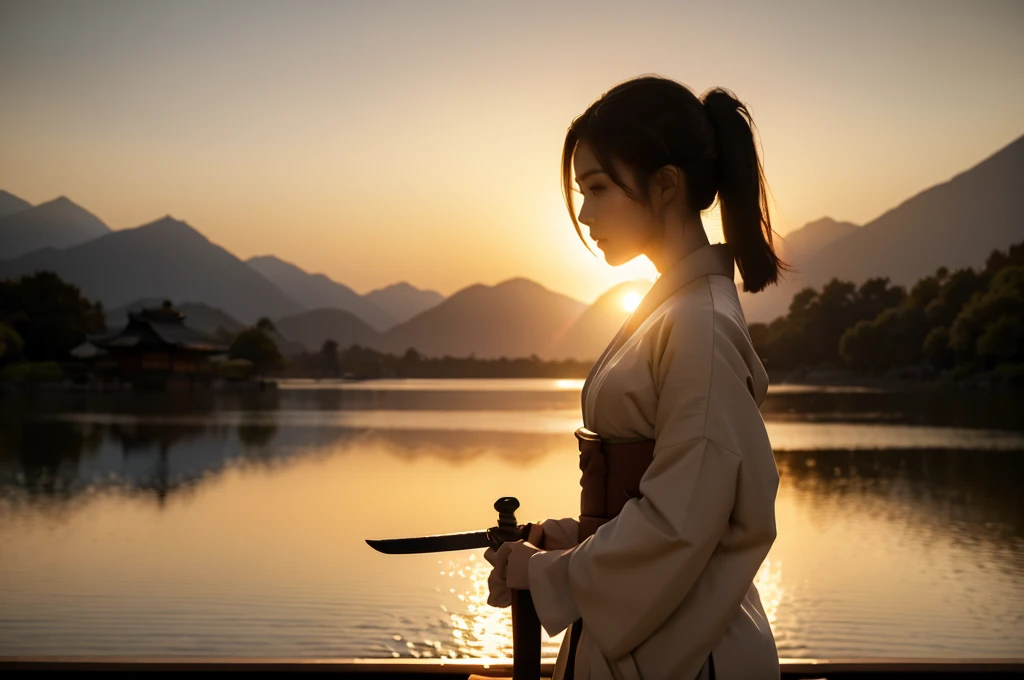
<point x="388" y="141"/>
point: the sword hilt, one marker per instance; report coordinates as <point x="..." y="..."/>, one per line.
<point x="508" y="529"/>
<point x="506" y="507"/>
<point x="525" y="624"/>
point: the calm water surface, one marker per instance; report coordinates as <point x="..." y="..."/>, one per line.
<point x="234" y="525"/>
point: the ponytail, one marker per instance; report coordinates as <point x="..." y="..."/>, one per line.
<point x="741" y="191"/>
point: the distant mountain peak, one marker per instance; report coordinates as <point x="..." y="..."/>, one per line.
<point x="269" y="258"/>
<point x="62" y="202"/>
<point x="518" y="282"/>
<point x="8" y="194"/>
<point x="954" y="223"/>
<point x="401" y="286"/>
<point x="403" y="300"/>
<point x="822" y="222"/>
<point x="172" y="226"/>
<point x="57" y="223"/>
<point x="317" y="291"/>
<point x="515" y="318"/>
<point x="165" y="259"/>
<point x="10" y="204"/>
<point x="801" y="244"/>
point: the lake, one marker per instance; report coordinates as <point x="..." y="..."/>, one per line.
<point x="234" y="524"/>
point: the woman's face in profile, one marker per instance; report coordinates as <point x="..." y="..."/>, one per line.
<point x="621" y="226"/>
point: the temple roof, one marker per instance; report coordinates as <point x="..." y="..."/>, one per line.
<point x="158" y="327"/>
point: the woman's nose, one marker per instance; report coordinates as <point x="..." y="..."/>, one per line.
<point x="585" y="216"/>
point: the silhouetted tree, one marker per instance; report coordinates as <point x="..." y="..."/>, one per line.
<point x="329" y="365"/>
<point x="11" y="344"/>
<point x="255" y="345"/>
<point x="991" y="326"/>
<point x="50" y="315"/>
<point x="266" y="325"/>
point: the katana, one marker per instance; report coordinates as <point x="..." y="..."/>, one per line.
<point x="525" y="624"/>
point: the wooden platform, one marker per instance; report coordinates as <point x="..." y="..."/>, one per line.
<point x="461" y="669"/>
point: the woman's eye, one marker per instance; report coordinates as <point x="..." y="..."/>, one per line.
<point x="596" y="189"/>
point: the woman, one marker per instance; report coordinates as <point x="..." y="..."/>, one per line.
<point x="664" y="589"/>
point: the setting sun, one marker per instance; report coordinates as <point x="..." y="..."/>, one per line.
<point x="631" y="300"/>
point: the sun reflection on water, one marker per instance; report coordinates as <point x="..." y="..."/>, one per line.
<point x="475" y="630"/>
<point x="479" y="630"/>
<point x="769" y="584"/>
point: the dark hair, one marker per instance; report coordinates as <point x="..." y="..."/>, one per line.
<point x="650" y="122"/>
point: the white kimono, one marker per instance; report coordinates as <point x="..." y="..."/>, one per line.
<point x="670" y="579"/>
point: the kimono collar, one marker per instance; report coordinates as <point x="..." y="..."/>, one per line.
<point x="711" y="259"/>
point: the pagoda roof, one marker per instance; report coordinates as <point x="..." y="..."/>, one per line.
<point x="158" y="327"/>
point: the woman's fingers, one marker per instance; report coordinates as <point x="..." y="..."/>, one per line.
<point x="536" y="536"/>
<point x="499" y="595"/>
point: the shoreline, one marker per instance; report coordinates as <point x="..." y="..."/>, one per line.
<point x="906" y="381"/>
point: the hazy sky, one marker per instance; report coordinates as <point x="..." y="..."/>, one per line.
<point x="384" y="141"/>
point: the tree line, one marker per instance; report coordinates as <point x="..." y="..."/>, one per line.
<point x="960" y="323"/>
<point x="43" y="318"/>
<point x="364" y="362"/>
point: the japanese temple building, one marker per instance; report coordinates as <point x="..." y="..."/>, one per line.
<point x="157" y="350"/>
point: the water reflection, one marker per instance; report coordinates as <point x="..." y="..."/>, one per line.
<point x="945" y="485"/>
<point x="235" y="525"/>
<point x="56" y="446"/>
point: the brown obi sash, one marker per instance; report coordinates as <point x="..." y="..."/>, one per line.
<point x="611" y="476"/>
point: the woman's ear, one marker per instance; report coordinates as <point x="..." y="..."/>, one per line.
<point x="666" y="184"/>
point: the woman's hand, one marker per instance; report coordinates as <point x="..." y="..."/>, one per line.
<point x="510" y="562"/>
<point x="559" y="534"/>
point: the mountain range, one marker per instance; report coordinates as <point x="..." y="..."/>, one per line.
<point x="55" y="224"/>
<point x="956" y="223"/>
<point x="404" y="301"/>
<point x="163" y="259"/>
<point x="953" y="224"/>
<point x="315" y="291"/>
<point x="10" y="204"/>
<point x="515" y="318"/>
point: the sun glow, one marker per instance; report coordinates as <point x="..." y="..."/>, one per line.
<point x="631" y="300"/>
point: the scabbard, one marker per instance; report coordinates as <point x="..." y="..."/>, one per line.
<point x="525" y="637"/>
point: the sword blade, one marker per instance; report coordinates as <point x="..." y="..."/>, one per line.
<point x="428" y="544"/>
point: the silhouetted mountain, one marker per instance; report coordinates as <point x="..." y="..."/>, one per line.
<point x="10" y="204"/>
<point x="55" y="224"/>
<point x="316" y="326"/>
<point x="199" y="316"/>
<point x="954" y="224"/>
<point x="588" y="335"/>
<point x="163" y="259"/>
<point x="516" y="318"/>
<point x="800" y="245"/>
<point x="403" y="301"/>
<point x="316" y="291"/>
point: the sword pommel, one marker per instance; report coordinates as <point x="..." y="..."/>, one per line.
<point x="507" y="530"/>
<point x="506" y="507"/>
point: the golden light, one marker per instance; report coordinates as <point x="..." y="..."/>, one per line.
<point x="631" y="300"/>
